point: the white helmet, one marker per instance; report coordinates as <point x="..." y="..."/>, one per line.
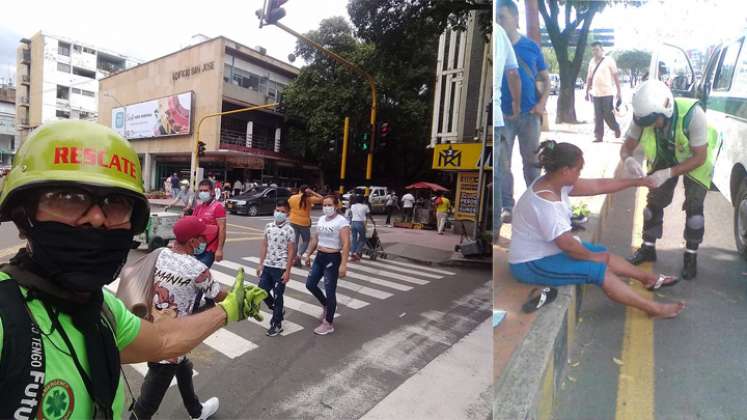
<point x="652" y="99"/>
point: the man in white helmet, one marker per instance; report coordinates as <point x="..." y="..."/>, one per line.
<point x="676" y="140"/>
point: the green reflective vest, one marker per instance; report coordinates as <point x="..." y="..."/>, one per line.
<point x="656" y="151"/>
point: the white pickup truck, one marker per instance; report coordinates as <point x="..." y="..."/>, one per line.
<point x="723" y="92"/>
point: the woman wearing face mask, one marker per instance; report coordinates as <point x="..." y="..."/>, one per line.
<point x="544" y="251"/>
<point x="211" y="212"/>
<point x="300" y="217"/>
<point x="332" y="238"/>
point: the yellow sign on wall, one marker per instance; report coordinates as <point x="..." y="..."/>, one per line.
<point x="465" y="206"/>
<point x="461" y="156"/>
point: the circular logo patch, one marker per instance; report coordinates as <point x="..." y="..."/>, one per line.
<point x="57" y="401"/>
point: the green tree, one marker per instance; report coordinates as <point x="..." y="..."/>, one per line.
<point x="550" y="59"/>
<point x="397" y="42"/>
<point x="576" y="15"/>
<point x="633" y="63"/>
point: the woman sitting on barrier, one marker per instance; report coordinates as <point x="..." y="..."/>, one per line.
<point x="545" y="252"/>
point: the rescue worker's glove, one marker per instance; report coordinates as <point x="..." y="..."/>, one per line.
<point x="233" y="304"/>
<point x="253" y="298"/>
<point x="661" y="176"/>
<point x="633" y="168"/>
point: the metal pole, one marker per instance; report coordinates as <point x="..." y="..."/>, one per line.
<point x="371" y="83"/>
<point x="196" y="159"/>
<point x="481" y="173"/>
<point x="343" y="162"/>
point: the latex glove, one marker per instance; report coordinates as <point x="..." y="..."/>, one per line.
<point x="253" y="298"/>
<point x="633" y="168"/>
<point x="661" y="176"/>
<point x="233" y="304"/>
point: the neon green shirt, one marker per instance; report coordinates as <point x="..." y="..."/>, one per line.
<point x="65" y="395"/>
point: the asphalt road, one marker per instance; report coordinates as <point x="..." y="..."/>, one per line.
<point x="395" y="318"/>
<point x="626" y="366"/>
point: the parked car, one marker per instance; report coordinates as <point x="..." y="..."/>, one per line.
<point x="579" y="83"/>
<point x="376" y="197"/>
<point x="554" y="83"/>
<point x="257" y="201"/>
<point x="721" y="90"/>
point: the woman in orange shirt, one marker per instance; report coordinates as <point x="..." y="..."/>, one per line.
<point x="300" y="217"/>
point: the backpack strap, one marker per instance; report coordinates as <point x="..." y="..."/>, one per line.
<point x="22" y="361"/>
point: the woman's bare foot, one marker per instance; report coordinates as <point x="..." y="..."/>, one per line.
<point x="667" y="310"/>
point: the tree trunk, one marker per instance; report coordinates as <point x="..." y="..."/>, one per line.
<point x="566" y="111"/>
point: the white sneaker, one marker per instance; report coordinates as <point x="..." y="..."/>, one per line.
<point x="209" y="408"/>
<point x="506" y="216"/>
<point x="324" y="329"/>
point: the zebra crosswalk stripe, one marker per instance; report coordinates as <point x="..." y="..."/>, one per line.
<point x="344" y="300"/>
<point x="142" y="368"/>
<point x="400" y="269"/>
<point x="378" y="294"/>
<point x="420" y="267"/>
<point x="288" y="326"/>
<point x="413" y="280"/>
<point x="228" y="343"/>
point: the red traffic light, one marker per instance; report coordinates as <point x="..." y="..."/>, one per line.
<point x="201" y="148"/>
<point x="384" y="129"/>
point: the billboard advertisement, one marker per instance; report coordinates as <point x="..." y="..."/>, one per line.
<point x="167" y="116"/>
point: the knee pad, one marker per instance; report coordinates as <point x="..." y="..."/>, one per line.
<point x="696" y="222"/>
<point x="647" y="214"/>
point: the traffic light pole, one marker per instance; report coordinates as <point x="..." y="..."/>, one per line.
<point x="344" y="157"/>
<point x="195" y="157"/>
<point x="371" y="82"/>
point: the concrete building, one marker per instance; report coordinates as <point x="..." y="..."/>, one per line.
<point x="8" y="134"/>
<point x="158" y="106"/>
<point x="464" y="87"/>
<point x="58" y="79"/>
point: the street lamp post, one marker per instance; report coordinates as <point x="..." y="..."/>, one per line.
<point x="195" y="156"/>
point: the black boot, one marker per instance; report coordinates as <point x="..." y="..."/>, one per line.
<point x="690" y="268"/>
<point x="643" y="254"/>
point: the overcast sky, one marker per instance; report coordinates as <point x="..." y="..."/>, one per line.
<point x="153" y="28"/>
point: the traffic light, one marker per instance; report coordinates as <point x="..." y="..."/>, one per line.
<point x="384" y="130"/>
<point x="200" y="148"/>
<point x="271" y="12"/>
<point x="364" y="142"/>
<point x="332" y="145"/>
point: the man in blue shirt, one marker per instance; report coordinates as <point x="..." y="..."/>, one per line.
<point x="504" y="62"/>
<point x="526" y="126"/>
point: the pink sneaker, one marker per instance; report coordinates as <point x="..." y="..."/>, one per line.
<point x="324" y="329"/>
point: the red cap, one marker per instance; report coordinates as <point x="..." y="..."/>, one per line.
<point x="189" y="227"/>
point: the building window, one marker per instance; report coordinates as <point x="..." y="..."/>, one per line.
<point x="88" y="93"/>
<point x="77" y="48"/>
<point x="85" y="73"/>
<point x="63" y="48"/>
<point x="62" y="114"/>
<point x="76" y="91"/>
<point x="65" y="68"/>
<point x="89" y="50"/>
<point x="63" y="92"/>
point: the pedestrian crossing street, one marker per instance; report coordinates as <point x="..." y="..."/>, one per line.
<point x="367" y="282"/>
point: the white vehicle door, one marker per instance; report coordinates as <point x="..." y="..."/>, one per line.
<point x="727" y="111"/>
<point x="671" y="65"/>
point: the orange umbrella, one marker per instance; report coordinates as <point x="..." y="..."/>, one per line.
<point x="426" y="186"/>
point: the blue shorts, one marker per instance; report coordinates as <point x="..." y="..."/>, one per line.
<point x="561" y="270"/>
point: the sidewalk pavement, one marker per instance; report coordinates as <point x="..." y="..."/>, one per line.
<point x="530" y="349"/>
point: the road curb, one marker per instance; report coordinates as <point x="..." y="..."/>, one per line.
<point x="528" y="385"/>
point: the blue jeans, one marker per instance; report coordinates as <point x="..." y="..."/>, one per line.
<point x="359" y="236"/>
<point x="304" y="233"/>
<point x="270" y="280"/>
<point x="527" y="128"/>
<point x="207" y="258"/>
<point x="327" y="266"/>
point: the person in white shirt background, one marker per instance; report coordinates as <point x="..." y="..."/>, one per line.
<point x="408" y="203"/>
<point x="359" y="212"/>
<point x="602" y="82"/>
<point x="544" y="250"/>
<point x="332" y="238"/>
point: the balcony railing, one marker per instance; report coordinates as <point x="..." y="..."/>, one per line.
<point x="238" y="138"/>
<point x="23" y="100"/>
<point x="26" y="56"/>
<point x="25" y="78"/>
<point x="24" y="122"/>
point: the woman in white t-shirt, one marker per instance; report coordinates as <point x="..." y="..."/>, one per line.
<point x="332" y="239"/>
<point x="544" y="251"/>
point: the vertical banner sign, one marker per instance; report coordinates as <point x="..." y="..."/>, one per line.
<point x="466" y="196"/>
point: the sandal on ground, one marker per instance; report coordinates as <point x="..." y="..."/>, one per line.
<point x="664" y="281"/>
<point x="539" y="298"/>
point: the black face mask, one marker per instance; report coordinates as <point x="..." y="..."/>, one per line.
<point x="79" y="259"/>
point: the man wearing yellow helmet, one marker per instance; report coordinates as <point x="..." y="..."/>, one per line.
<point x="75" y="192"/>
